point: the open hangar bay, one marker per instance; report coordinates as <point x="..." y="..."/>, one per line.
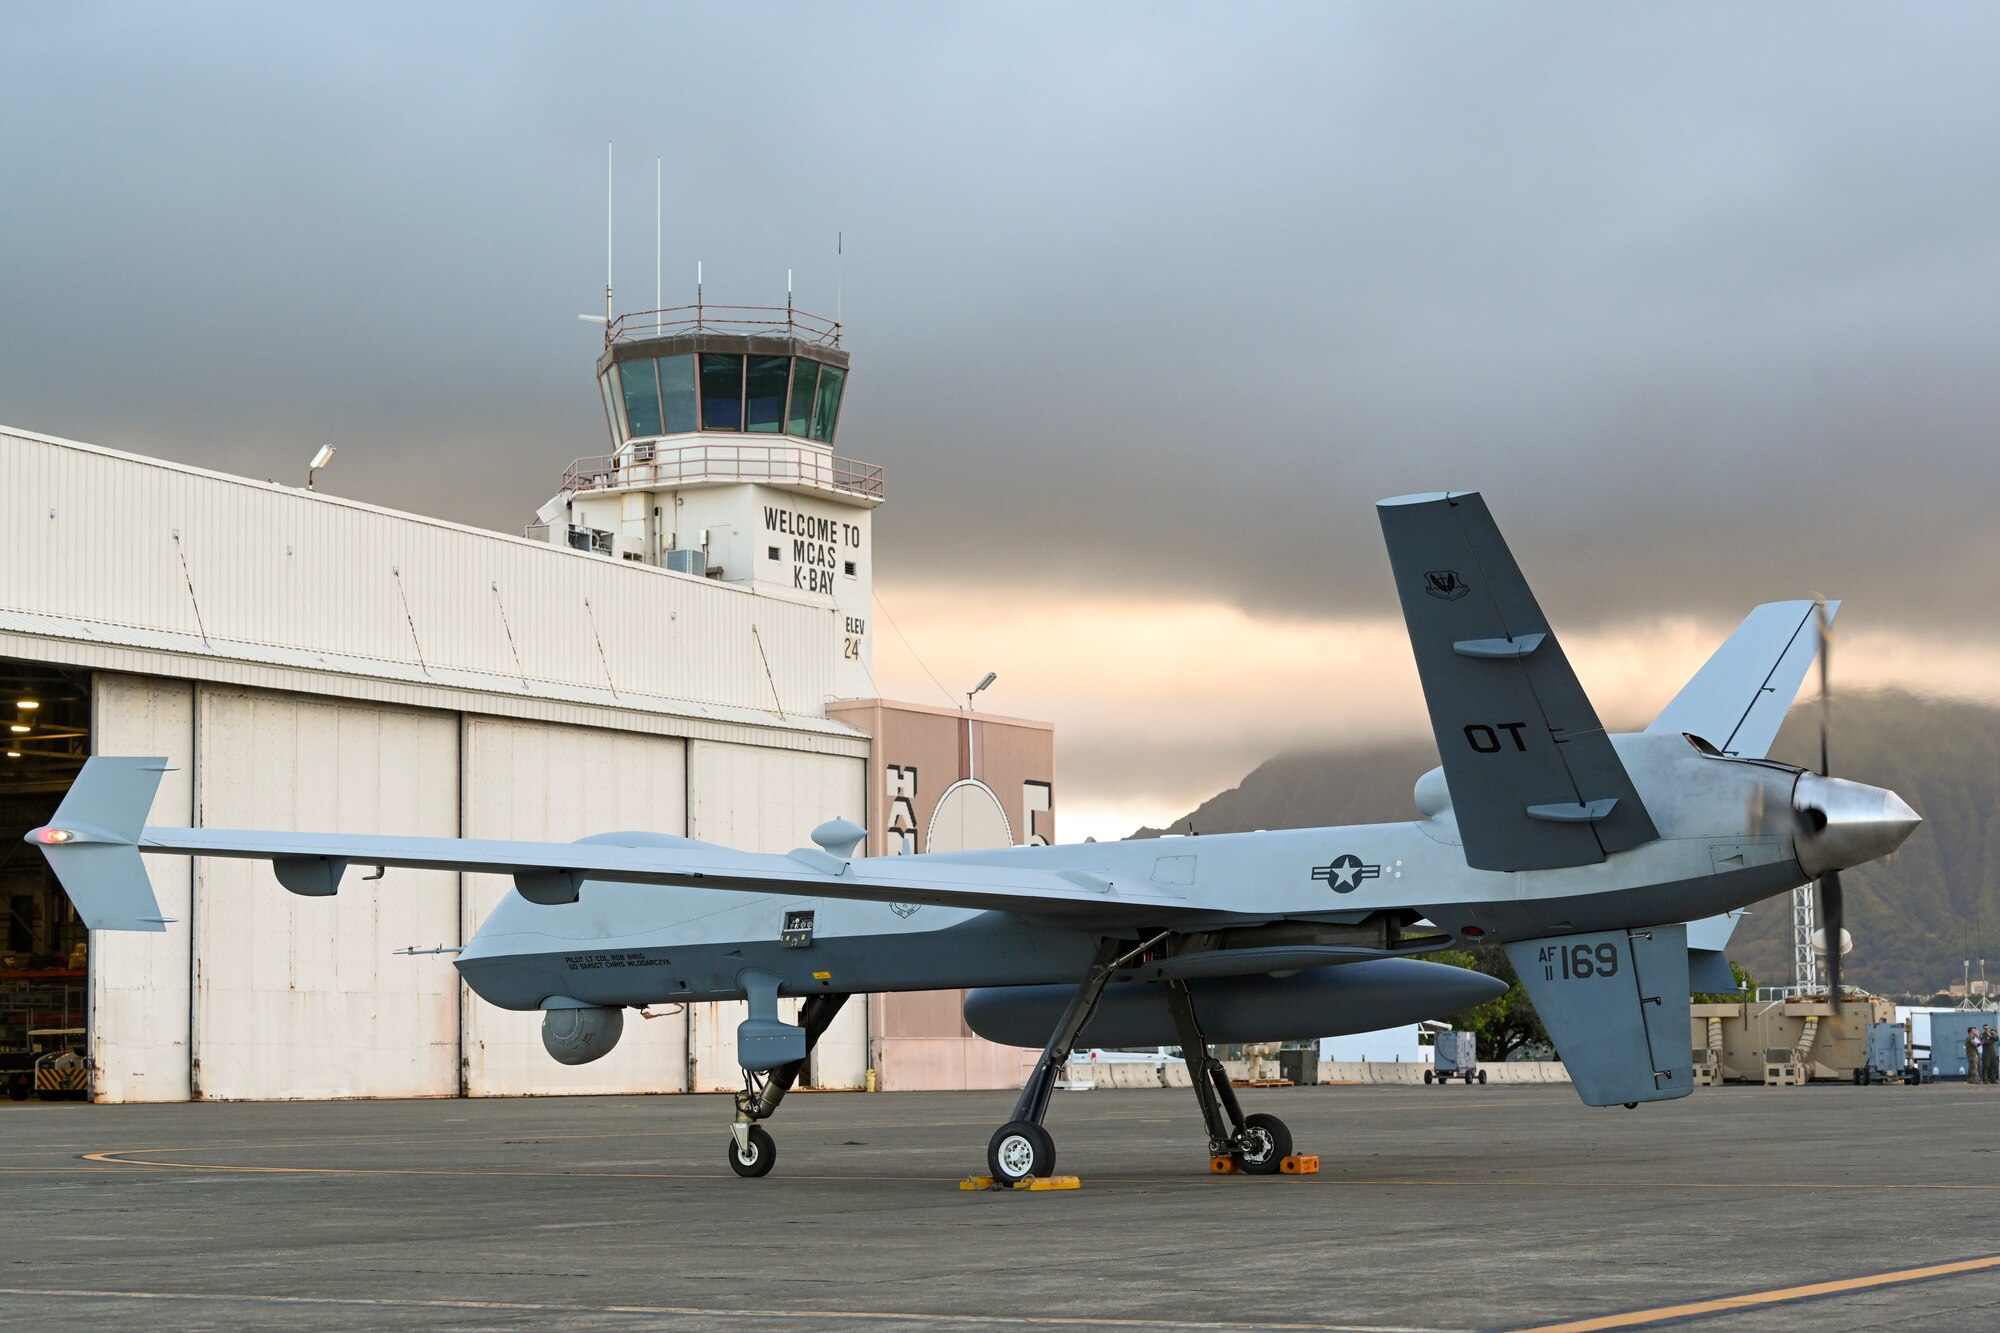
<point x="1483" y="1208"/>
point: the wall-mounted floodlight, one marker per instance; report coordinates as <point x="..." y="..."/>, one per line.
<point x="27" y="705"/>
<point x="20" y="728"/>
<point x="319" y="460"/>
<point x="13" y="754"/>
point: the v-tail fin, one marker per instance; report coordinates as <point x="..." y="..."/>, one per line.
<point x="92" y="844"/>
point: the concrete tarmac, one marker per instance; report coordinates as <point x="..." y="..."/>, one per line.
<point x="1447" y="1208"/>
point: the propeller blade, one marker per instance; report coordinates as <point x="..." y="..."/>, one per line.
<point x="1831" y="910"/>
<point x="1825" y="687"/>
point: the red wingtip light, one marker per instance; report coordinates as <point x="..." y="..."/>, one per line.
<point x="53" y="835"/>
<point x="1473" y="931"/>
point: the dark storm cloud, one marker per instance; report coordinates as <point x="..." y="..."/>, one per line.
<point x="1704" y="298"/>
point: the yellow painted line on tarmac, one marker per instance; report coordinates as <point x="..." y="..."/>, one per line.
<point x="713" y="1312"/>
<point x="122" y="1159"/>
<point x="1777" y="1296"/>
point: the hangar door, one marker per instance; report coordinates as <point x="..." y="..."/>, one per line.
<point x="767" y="800"/>
<point x="305" y="997"/>
<point x="548" y="783"/>
<point x="139" y="982"/>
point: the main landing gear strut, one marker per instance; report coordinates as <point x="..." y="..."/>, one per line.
<point x="1256" y="1144"/>
<point x="752" y="1151"/>
<point x="1022" y="1148"/>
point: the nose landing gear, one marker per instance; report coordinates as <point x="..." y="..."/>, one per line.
<point x="752" y="1151"/>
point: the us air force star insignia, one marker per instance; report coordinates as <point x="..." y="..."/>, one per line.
<point x="905" y="909"/>
<point x="1345" y="873"/>
<point x="1445" y="583"/>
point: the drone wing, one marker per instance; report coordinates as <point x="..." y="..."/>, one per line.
<point x="1535" y="782"/>
<point x="93" y="845"/>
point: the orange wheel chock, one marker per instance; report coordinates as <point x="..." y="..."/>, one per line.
<point x="1300" y="1164"/>
<point x="1221" y="1166"/>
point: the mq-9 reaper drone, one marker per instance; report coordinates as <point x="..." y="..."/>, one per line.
<point x="1582" y="852"/>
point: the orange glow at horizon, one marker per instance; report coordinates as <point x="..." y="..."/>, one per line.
<point x="1160" y="704"/>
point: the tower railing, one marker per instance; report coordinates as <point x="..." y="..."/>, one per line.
<point x="645" y="463"/>
<point x="769" y="321"/>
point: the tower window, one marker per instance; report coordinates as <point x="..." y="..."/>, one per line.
<point x="850" y="569"/>
<point x="642" y="396"/>
<point x="764" y="396"/>
<point x="805" y="378"/>
<point x="721" y="391"/>
<point x="772" y="552"/>
<point x="827" y="410"/>
<point x="677" y="394"/>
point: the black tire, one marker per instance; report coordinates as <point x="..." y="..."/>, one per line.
<point x="1468" y="1078"/>
<point x="19" y="1090"/>
<point x="1430" y="1076"/>
<point x="760" y="1156"/>
<point x="1482" y="1076"/>
<point x="1263" y="1146"/>
<point x="1860" y="1077"/>
<point x="1020" y="1149"/>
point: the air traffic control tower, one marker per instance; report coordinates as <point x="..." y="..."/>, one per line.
<point x="723" y="424"/>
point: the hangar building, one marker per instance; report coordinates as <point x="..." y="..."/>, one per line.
<point x="681" y="643"/>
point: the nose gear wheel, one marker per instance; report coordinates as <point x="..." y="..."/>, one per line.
<point x="756" y="1155"/>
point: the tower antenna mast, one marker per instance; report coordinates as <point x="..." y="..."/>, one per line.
<point x="659" y="244"/>
<point x="607" y="242"/>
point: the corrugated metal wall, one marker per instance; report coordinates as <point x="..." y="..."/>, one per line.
<point x="446" y="681"/>
<point x="265" y="572"/>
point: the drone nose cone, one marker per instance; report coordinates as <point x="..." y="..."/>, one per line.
<point x="1844" y="824"/>
<point x="1899" y="818"/>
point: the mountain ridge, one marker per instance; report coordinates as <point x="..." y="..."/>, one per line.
<point x="1914" y="918"/>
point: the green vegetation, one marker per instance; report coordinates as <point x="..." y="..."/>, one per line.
<point x="1502" y="1026"/>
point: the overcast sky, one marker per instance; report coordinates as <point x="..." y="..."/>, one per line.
<point x="1147" y="303"/>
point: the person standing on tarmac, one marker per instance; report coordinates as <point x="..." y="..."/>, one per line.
<point x="1991" y="1071"/>
<point x="1973" y="1055"/>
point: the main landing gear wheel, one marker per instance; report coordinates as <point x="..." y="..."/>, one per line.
<point x="1262" y="1146"/>
<point x="1021" y="1148"/>
<point x="755" y="1158"/>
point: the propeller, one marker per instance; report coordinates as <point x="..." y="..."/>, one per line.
<point x="1831" y="906"/>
